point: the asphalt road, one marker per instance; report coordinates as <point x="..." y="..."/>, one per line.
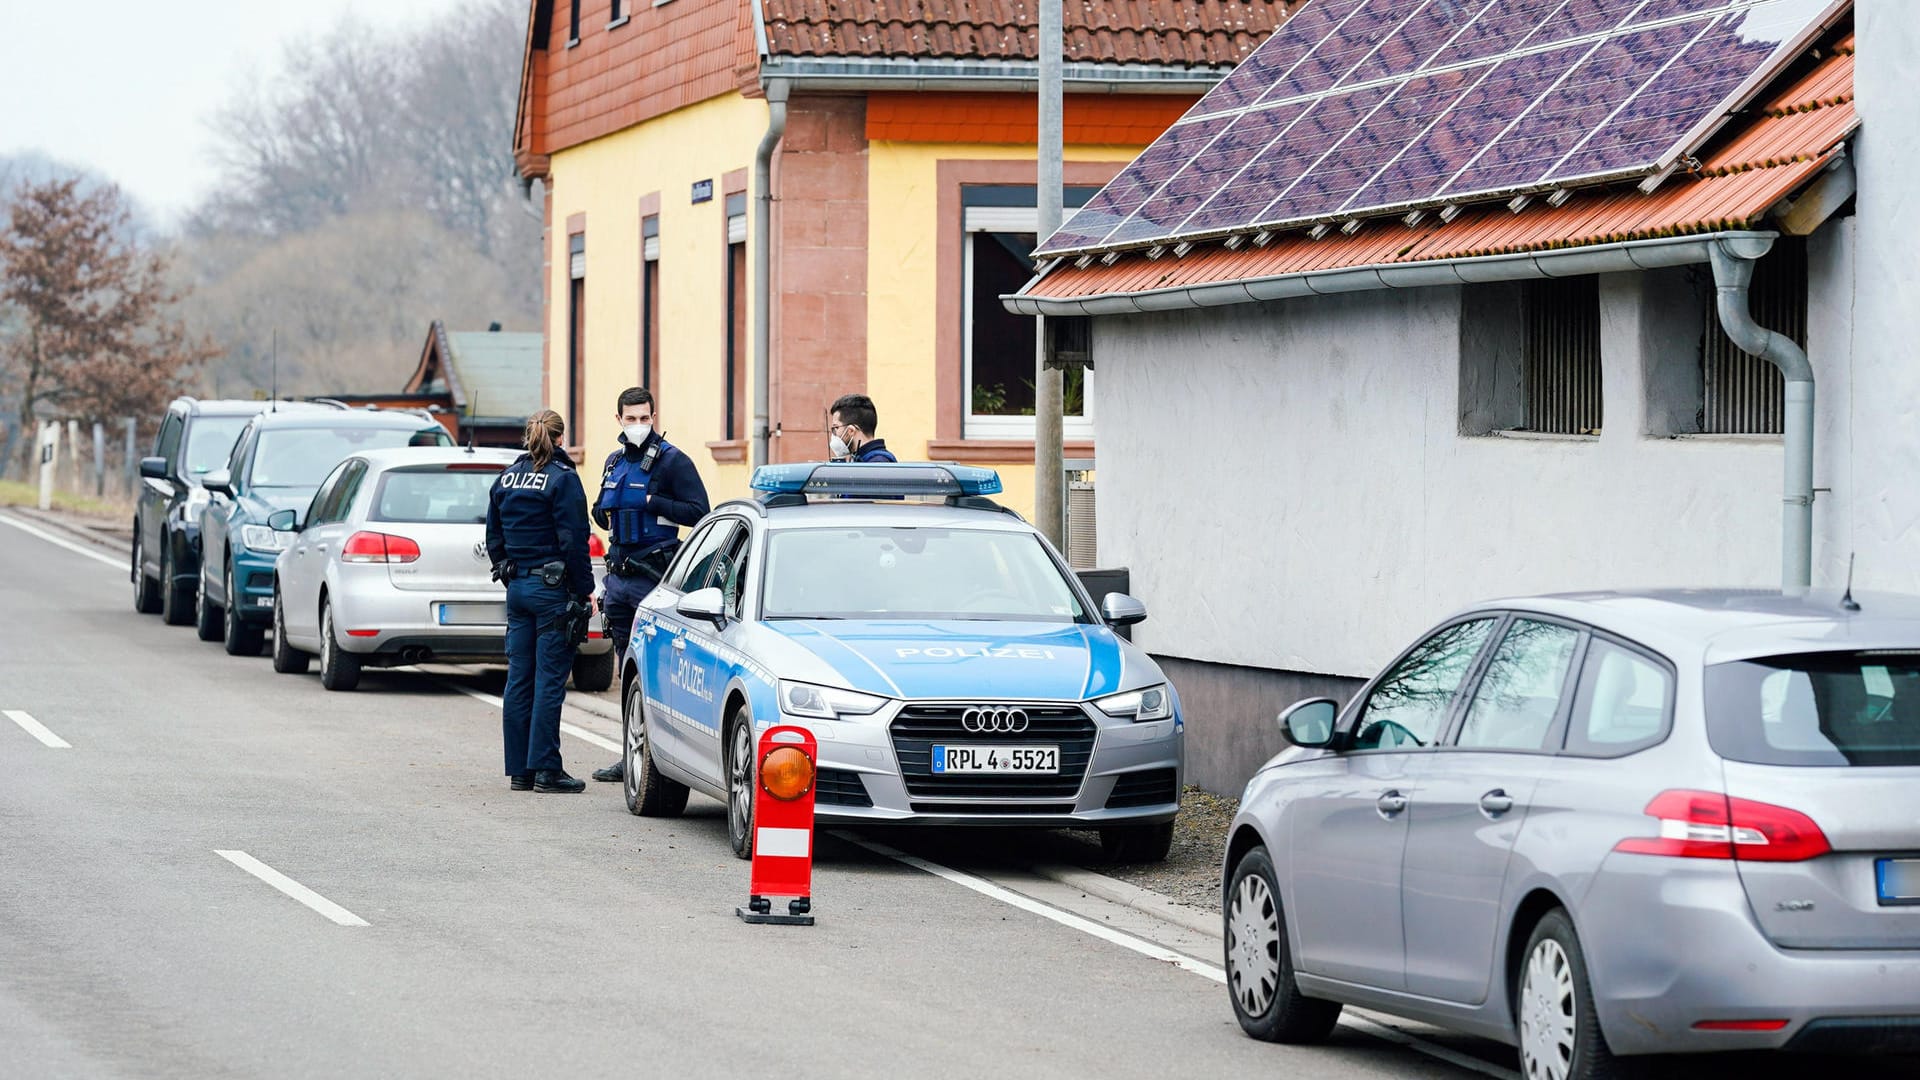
<point x="512" y="933"/>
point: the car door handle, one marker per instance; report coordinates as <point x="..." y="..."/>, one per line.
<point x="319" y="547"/>
<point x="1495" y="802"/>
<point x="1391" y="803"/>
<point x="679" y="641"/>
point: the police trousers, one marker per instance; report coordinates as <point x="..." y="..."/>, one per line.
<point x="538" y="663"/>
<point x="619" y="599"/>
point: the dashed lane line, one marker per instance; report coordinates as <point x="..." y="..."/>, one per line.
<point x="565" y="728"/>
<point x="37" y="729"/>
<point x="292" y="888"/>
<point x="61" y="541"/>
<point x="1368" y="1024"/>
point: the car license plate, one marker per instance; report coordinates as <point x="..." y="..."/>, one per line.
<point x="1899" y="880"/>
<point x="996" y="759"/>
<point x="476" y="614"/>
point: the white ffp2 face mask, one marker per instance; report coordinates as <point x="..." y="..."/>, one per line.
<point x="637" y="433"/>
<point x="837" y="447"/>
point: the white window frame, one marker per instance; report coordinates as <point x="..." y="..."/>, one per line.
<point x="1002" y="219"/>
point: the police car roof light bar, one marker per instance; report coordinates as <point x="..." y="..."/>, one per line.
<point x="876" y="479"/>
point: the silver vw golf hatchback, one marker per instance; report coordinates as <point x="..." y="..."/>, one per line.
<point x="1599" y="826"/>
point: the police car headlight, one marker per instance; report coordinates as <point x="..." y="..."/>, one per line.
<point x="825" y="702"/>
<point x="1152" y="703"/>
<point x="261" y="538"/>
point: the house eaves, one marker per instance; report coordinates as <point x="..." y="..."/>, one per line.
<point x="998" y="76"/>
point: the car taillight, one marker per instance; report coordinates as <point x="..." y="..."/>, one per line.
<point x="1705" y="825"/>
<point x="596" y="547"/>
<point x="373" y="547"/>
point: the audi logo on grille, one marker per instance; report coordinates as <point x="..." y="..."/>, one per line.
<point x="985" y="719"/>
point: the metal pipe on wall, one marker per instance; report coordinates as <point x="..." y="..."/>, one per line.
<point x="1733" y="261"/>
<point x="763" y="264"/>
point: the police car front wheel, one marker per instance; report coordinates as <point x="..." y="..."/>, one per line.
<point x="649" y="793"/>
<point x="740" y="786"/>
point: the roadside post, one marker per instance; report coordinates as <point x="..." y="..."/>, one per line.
<point x="49" y="448"/>
<point x="99" y="459"/>
<point x="783" y="827"/>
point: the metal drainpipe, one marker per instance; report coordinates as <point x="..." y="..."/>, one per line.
<point x="1732" y="274"/>
<point x="763" y="263"/>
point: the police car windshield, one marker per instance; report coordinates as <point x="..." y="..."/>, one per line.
<point x="210" y="440"/>
<point x="915" y="573"/>
<point x="302" y="457"/>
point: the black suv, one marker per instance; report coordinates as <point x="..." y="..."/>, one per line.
<point x="195" y="438"/>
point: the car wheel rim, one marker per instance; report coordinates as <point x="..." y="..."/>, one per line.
<point x="231" y="616"/>
<point x="1253" y="945"/>
<point x="740" y="805"/>
<point x="136" y="570"/>
<point x="1547" y="1017"/>
<point x="636" y="740"/>
<point x="326" y="638"/>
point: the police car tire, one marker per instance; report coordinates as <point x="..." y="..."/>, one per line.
<point x="649" y="793"/>
<point x="1123" y="844"/>
<point x="205" y="625"/>
<point x="146" y="595"/>
<point x="175" y="602"/>
<point x="592" y="674"/>
<point x="339" y="669"/>
<point x="287" y="660"/>
<point x="740" y="824"/>
<point x="242" y="638"/>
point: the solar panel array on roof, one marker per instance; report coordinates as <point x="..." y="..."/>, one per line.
<point x="1362" y="107"/>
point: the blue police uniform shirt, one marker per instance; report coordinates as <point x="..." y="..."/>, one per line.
<point x="642" y="505"/>
<point x="874" y="450"/>
<point x="537" y="516"/>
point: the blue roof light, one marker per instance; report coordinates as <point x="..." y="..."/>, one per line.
<point x="877" y="479"/>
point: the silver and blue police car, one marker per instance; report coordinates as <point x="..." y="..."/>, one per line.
<point x="952" y="668"/>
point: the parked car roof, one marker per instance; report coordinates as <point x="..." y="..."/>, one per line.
<point x="325" y="416"/>
<point x="223" y="406"/>
<point x="1719" y="625"/>
<point x="401" y="456"/>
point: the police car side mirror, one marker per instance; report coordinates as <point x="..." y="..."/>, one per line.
<point x="704" y="604"/>
<point x="219" y="481"/>
<point x="153" y="468"/>
<point x="284" y="521"/>
<point x="1119" y="609"/>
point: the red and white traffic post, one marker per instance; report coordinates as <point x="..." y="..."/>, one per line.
<point x="783" y="826"/>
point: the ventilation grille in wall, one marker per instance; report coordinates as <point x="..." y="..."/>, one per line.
<point x="1562" y="354"/>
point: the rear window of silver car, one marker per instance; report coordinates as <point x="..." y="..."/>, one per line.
<point x="445" y="494"/>
<point x="1817" y="709"/>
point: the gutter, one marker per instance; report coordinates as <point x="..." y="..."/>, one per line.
<point x="777" y="90"/>
<point x="1570" y="262"/>
<point x="1023" y="76"/>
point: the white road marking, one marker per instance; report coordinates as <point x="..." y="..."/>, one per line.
<point x="61" y="541"/>
<point x="1368" y="1023"/>
<point x="37" y="729"/>
<point x="292" y="888"/>
<point x="565" y="728"/>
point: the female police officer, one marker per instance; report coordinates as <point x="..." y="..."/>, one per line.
<point x="537" y="541"/>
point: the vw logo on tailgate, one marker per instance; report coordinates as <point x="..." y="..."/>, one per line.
<point x="480" y="550"/>
<point x="983" y="719"/>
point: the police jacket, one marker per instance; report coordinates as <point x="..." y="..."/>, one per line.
<point x="646" y="492"/>
<point x="538" y="516"/>
<point x="874" y="450"/>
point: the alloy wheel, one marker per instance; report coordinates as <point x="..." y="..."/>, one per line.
<point x="636" y="718"/>
<point x="740" y="788"/>
<point x="1253" y="945"/>
<point x="1547" y="1013"/>
<point x="231" y="614"/>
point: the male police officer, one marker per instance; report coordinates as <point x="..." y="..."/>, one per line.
<point x="649" y="487"/>
<point x="852" y="423"/>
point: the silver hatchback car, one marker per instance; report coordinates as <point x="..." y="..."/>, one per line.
<point x="1598" y="826"/>
<point x="389" y="566"/>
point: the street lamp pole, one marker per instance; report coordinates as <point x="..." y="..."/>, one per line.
<point x="1049" y="481"/>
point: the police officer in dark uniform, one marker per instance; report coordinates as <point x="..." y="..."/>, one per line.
<point x="537" y="540"/>
<point x="648" y="489"/>
<point x="851" y="427"/>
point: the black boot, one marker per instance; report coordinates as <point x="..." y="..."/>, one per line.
<point x="523" y="782"/>
<point x="557" y="780"/>
<point x="613" y="773"/>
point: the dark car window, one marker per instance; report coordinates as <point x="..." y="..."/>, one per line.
<point x="210" y="443"/>
<point x="168" y="443"/>
<point x="730" y="572"/>
<point x="236" y="459"/>
<point x="351" y="474"/>
<point x="699" y="570"/>
<point x="1409" y="706"/>
<point x="1624" y="704"/>
<point x="1519" y="696"/>
<point x="691" y="552"/>
<point x="454" y="493"/>
<point x="1817" y="709"/>
<point x="301" y="457"/>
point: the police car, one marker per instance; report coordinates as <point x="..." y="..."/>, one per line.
<point x="950" y="665"/>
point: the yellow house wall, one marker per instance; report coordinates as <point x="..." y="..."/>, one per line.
<point x="903" y="282"/>
<point x="605" y="179"/>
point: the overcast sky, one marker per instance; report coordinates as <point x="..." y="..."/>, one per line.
<point x="128" y="87"/>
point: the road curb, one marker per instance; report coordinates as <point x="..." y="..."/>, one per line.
<point x="59" y="523"/>
<point x="588" y="703"/>
<point x="1128" y="895"/>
